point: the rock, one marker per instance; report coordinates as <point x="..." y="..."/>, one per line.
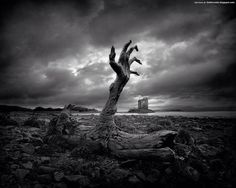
<point x="165" y="122"/>
<point x="38" y="186"/>
<point x="153" y="128"/>
<point x="216" y="165"/>
<point x="80" y="179"/>
<point x="168" y="171"/>
<point x="5" y="119"/>
<point x="36" y="141"/>
<point x="14" y="166"/>
<point x="16" y="155"/>
<point x="58" y="176"/>
<point x="26" y="157"/>
<point x="192" y="173"/>
<point x="45" y="159"/>
<point x="154" y="176"/>
<point x="28" y="165"/>
<point x="28" y="148"/>
<point x="183" y="137"/>
<point x="85" y="128"/>
<point x="84" y="181"/>
<point x="128" y="163"/>
<point x="133" y="180"/>
<point x="45" y="149"/>
<point x="182" y="150"/>
<point x="140" y="175"/>
<point x="44" y="178"/>
<point x="21" y="173"/>
<point x="208" y="151"/>
<point x="33" y="122"/>
<point x="46" y="169"/>
<point x="196" y="128"/>
<point x="73" y="178"/>
<point x="34" y="131"/>
<point x="7" y="180"/>
<point x="199" y="165"/>
<point x="119" y="174"/>
<point x="151" y="179"/>
<point x="96" y="173"/>
<point x="59" y="185"/>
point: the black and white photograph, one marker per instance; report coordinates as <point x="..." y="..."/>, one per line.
<point x="117" y="93"/>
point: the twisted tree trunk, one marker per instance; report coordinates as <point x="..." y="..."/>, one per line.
<point x="107" y="135"/>
<point x="118" y="142"/>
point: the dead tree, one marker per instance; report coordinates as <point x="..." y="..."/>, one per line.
<point x="107" y="135"/>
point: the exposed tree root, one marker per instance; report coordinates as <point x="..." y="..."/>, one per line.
<point x="106" y="135"/>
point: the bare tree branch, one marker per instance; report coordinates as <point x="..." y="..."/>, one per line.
<point x="131" y="49"/>
<point x="134" y="59"/>
<point x="134" y="72"/>
<point x="126" y="47"/>
<point x="112" y="54"/>
<point x="113" y="64"/>
<point x="106" y="135"/>
<point x="115" y="67"/>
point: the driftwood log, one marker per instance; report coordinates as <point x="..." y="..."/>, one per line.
<point x="106" y="134"/>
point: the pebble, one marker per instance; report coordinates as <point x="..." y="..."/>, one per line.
<point x="73" y="178"/>
<point x="82" y="180"/>
<point x="58" y="176"/>
<point x="168" y="171"/>
<point x="140" y="175"/>
<point x="14" y="166"/>
<point x="28" y="148"/>
<point x="21" y="173"/>
<point x="151" y="178"/>
<point x="208" y="151"/>
<point x="45" y="159"/>
<point x="119" y="174"/>
<point x="38" y="186"/>
<point x="46" y="169"/>
<point x="28" y="165"/>
<point x="133" y="180"/>
<point x="192" y="173"/>
<point x="44" y="178"/>
<point x="59" y="185"/>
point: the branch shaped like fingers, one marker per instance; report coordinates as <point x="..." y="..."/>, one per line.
<point x="134" y="59"/>
<point x="126" y="46"/>
<point x="115" y="67"/>
<point x="112" y="54"/>
<point x="131" y="49"/>
<point x="113" y="64"/>
<point x="134" y="72"/>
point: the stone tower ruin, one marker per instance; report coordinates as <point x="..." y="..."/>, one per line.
<point x="143" y="103"/>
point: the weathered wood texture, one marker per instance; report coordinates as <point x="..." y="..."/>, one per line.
<point x="106" y="133"/>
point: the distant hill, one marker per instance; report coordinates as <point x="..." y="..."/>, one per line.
<point x="197" y="109"/>
<point x="75" y="108"/>
<point x="83" y="109"/>
<point x="6" y="108"/>
<point x="40" y="109"/>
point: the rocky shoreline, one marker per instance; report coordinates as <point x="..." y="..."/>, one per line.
<point x="204" y="154"/>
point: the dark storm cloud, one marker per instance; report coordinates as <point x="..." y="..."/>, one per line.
<point x="166" y="20"/>
<point x="56" y="52"/>
<point x="202" y="68"/>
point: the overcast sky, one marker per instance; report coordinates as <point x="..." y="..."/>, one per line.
<point x="56" y="52"/>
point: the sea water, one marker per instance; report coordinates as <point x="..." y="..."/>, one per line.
<point x="213" y="114"/>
